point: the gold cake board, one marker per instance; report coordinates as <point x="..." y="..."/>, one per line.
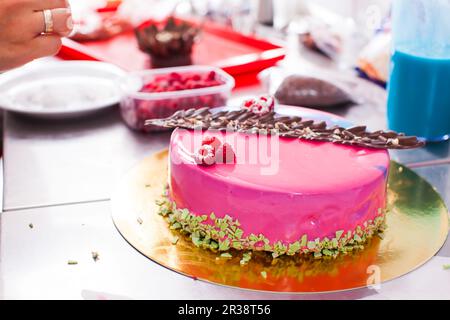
<point x="417" y="227"/>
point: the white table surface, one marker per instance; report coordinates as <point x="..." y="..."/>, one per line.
<point x="34" y="264"/>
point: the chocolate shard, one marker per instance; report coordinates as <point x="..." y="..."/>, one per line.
<point x="405" y="140"/>
<point x="319" y="125"/>
<point x="357" y="129"/>
<point x="290" y="127"/>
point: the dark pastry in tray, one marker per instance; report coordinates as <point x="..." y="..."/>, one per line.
<point x="311" y="92"/>
<point x="168" y="45"/>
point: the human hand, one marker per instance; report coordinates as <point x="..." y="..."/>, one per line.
<point x="22" y="28"/>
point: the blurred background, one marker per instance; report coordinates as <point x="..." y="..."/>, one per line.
<point x="339" y="29"/>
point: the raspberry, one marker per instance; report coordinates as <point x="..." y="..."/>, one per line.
<point x="190" y="84"/>
<point x="175" y="76"/>
<point x="175" y="81"/>
<point x="205" y="156"/>
<point x="261" y="105"/>
<point x="212" y="141"/>
<point x="249" y="103"/>
<point x="177" y="87"/>
<point x="211" y="76"/>
<point x="269" y="100"/>
<point x="159" y="78"/>
<point x="213" y="151"/>
<point x="225" y="154"/>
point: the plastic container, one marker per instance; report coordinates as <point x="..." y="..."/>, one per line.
<point x="137" y="106"/>
<point x="419" y="96"/>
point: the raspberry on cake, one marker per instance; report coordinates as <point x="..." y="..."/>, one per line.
<point x="225" y="154"/>
<point x="213" y="151"/>
<point x="206" y="155"/>
<point x="260" y="106"/>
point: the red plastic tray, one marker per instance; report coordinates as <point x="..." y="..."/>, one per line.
<point x="240" y="55"/>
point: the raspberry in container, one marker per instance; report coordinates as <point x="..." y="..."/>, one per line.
<point x="156" y="94"/>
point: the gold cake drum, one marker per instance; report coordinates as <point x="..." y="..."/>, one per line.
<point x="417" y="227"/>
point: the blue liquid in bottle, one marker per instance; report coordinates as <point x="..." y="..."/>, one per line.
<point x="419" y="95"/>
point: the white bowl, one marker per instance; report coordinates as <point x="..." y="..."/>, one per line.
<point x="61" y="89"/>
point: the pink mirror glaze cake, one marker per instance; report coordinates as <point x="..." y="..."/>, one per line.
<point x="281" y="195"/>
<point x="254" y="180"/>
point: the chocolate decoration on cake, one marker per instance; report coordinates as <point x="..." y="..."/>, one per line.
<point x="286" y="126"/>
<point x="170" y="45"/>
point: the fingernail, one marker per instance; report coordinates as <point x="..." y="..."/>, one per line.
<point x="69" y="23"/>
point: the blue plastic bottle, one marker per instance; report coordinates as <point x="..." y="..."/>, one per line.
<point x="419" y="85"/>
